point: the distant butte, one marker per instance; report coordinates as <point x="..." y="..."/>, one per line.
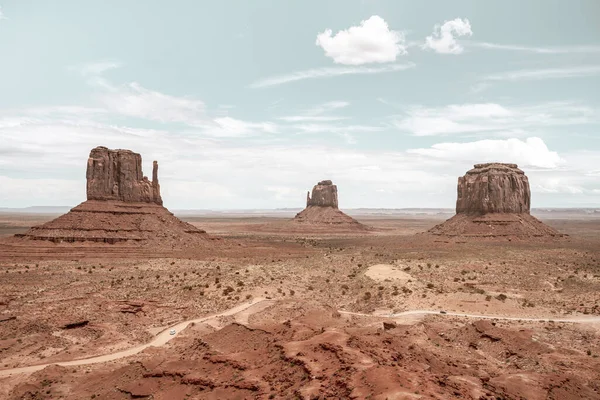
<point x="322" y="209"/>
<point x="122" y="206"/>
<point x="324" y="194"/>
<point x="494" y="200"/>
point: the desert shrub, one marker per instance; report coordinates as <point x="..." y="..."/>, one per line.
<point x="501" y="297"/>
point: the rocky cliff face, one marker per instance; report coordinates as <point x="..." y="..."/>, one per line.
<point x="493" y="188"/>
<point x="324" y="194"/>
<point x="117" y="175"/>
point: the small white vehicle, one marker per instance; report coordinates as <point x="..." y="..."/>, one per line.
<point x="172" y="332"/>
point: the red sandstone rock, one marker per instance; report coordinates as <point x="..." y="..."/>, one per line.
<point x="322" y="210"/>
<point x="493" y="188"/>
<point x="122" y="206"/>
<point x="117" y="175"/>
<point x="324" y="194"/>
<point x="494" y="201"/>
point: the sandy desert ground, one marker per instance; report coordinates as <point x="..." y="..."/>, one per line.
<point x="283" y="315"/>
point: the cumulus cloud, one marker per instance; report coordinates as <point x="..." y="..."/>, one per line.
<point x="531" y="152"/>
<point x="370" y="42"/>
<point x="2" y="14"/>
<point x="328" y="73"/>
<point x="443" y="40"/>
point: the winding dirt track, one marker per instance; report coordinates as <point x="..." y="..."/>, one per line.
<point x="243" y="310"/>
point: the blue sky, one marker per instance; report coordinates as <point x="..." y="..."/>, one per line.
<point x="249" y="104"/>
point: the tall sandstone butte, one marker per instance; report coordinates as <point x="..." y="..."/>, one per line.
<point x="117" y="175"/>
<point x="494" y="201"/>
<point x="324" y="194"/>
<point x="122" y="206"/>
<point x="493" y="188"/>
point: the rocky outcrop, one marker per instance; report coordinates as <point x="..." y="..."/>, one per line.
<point x="322" y="213"/>
<point x="494" y="201"/>
<point x="493" y="188"/>
<point x="324" y="194"/>
<point x="117" y="175"/>
<point x="122" y="206"/>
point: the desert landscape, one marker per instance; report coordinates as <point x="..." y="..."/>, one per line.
<point x="119" y="298"/>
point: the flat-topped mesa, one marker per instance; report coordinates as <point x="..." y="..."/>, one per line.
<point x="324" y="194"/>
<point x="117" y="175"/>
<point x="493" y="188"/>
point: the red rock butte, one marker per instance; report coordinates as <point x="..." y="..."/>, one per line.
<point x="117" y="175"/>
<point x="494" y="200"/>
<point x="122" y="206"/>
<point x="322" y="210"/>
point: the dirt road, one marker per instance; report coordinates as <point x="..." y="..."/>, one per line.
<point x="243" y="311"/>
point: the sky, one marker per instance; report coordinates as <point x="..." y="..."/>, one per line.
<point x="248" y="104"/>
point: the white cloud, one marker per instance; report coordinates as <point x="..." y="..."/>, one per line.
<point x="332" y="128"/>
<point x="95" y="68"/>
<point x="328" y="106"/>
<point x="283" y="193"/>
<point x="348" y="138"/>
<point x="23" y="190"/>
<point x="546" y="73"/>
<point x="557" y="185"/>
<point x="2" y="14"/>
<point x="315" y="114"/>
<point x="583" y="49"/>
<point x="444" y="41"/>
<point x="479" y="87"/>
<point x="133" y="100"/>
<point x="311" y="118"/>
<point x="328" y="73"/>
<point x="492" y="117"/>
<point x="231" y="127"/>
<point x="370" y="42"/>
<point x="215" y="173"/>
<point x="531" y="152"/>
